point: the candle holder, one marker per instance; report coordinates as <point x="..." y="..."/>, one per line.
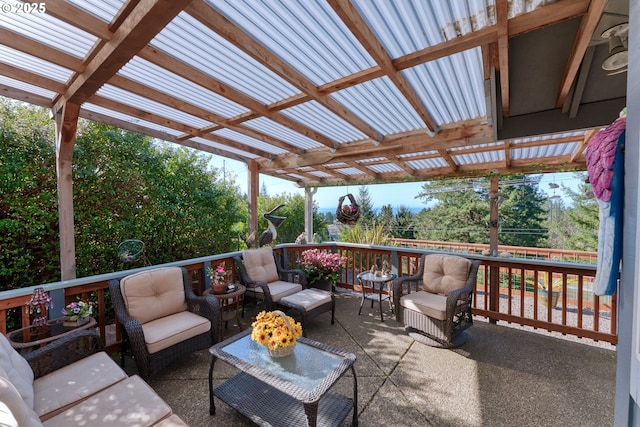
<point x="38" y="306"/>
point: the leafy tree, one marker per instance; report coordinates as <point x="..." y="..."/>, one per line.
<point x="403" y="223"/>
<point x="126" y="186"/>
<point x="460" y="213"/>
<point x="367" y="212"/>
<point x="385" y="217"/>
<point x="577" y="227"/>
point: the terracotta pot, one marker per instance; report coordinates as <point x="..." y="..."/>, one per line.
<point x="218" y="289"/>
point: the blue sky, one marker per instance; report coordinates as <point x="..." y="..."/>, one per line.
<point x="381" y="194"/>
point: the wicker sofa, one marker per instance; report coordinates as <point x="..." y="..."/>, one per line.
<point x="71" y="382"/>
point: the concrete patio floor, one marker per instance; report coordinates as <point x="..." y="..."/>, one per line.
<point x="501" y="377"/>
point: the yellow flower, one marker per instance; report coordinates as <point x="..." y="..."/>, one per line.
<point x="271" y="330"/>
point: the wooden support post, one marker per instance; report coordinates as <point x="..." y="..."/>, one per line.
<point x="252" y="207"/>
<point x="66" y="121"/>
<point x="308" y="212"/>
<point x="494" y="270"/>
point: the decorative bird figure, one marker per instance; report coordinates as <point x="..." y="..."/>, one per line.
<point x="270" y="234"/>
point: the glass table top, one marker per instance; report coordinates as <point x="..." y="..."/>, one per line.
<point x="307" y="367"/>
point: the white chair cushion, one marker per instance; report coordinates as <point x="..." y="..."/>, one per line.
<point x="167" y="331"/>
<point x="445" y="273"/>
<point x="130" y="402"/>
<point x="260" y="264"/>
<point x="17" y="370"/>
<point x="14" y="411"/>
<point x="431" y="305"/>
<point x="308" y="299"/>
<point x="280" y="289"/>
<point x="153" y="294"/>
<point x="67" y="385"/>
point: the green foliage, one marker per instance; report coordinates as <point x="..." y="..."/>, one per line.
<point x="373" y="235"/>
<point x="403" y="224"/>
<point x="367" y="212"/>
<point x="28" y="197"/>
<point x="461" y="213"/>
<point x="125" y="187"/>
<point x="577" y="226"/>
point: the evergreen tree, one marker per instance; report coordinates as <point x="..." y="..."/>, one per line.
<point x="385" y="218"/>
<point x="403" y="226"/>
<point x="578" y="229"/>
<point x="367" y="212"/>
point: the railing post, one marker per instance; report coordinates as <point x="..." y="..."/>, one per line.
<point x="395" y="263"/>
<point x="57" y="296"/>
<point x="494" y="291"/>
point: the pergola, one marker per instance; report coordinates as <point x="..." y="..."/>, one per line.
<point x="332" y="92"/>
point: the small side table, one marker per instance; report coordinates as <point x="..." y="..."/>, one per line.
<point x="368" y="278"/>
<point x="230" y="304"/>
<point x="35" y="336"/>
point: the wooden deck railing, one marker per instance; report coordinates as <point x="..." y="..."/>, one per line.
<point x="505" y="290"/>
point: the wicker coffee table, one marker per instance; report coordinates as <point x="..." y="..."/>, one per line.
<point x="297" y="385"/>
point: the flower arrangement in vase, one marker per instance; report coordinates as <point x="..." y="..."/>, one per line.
<point x="321" y="266"/>
<point x="77" y="313"/>
<point x="276" y="331"/>
<point x="218" y="278"/>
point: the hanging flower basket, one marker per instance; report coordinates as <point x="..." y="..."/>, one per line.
<point x="348" y="214"/>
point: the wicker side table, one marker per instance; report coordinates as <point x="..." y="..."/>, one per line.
<point x="230" y="304"/>
<point x="29" y="337"/>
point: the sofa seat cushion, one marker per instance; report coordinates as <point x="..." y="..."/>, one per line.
<point x="130" y="402"/>
<point x="56" y="391"/>
<point x="279" y="289"/>
<point x="307" y="299"/>
<point x="16" y="370"/>
<point x="14" y="411"/>
<point x="152" y="294"/>
<point x="445" y="273"/>
<point x="260" y="264"/>
<point x="167" y="331"/>
<point x="172" y="421"/>
<point x="431" y="305"/>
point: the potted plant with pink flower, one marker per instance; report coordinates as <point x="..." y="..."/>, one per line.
<point x="323" y="269"/>
<point x="218" y="278"/>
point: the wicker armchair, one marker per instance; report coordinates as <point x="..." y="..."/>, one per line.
<point x="162" y="318"/>
<point x="435" y="303"/>
<point x="264" y="278"/>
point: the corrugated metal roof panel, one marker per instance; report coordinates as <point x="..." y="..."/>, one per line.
<point x="212" y="144"/>
<point x="36" y="90"/>
<point x="317" y="117"/>
<point x="149" y="74"/>
<point x="427" y="163"/>
<point x="385" y="168"/>
<point x="188" y="40"/>
<point x="350" y="171"/>
<point x="477" y="158"/>
<point x="131" y="119"/>
<point x="249" y="141"/>
<point x="543" y="151"/>
<point x="379" y="103"/>
<point x="156" y="108"/>
<point x="47" y="30"/>
<point x="320" y="174"/>
<point x="282" y="132"/>
<point x="307" y="34"/>
<point x="103" y="9"/>
<point x="34" y="65"/>
<point x="577" y="135"/>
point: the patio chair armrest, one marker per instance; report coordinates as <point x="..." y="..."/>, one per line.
<point x="64" y="351"/>
<point x="293" y="275"/>
<point x="209" y="307"/>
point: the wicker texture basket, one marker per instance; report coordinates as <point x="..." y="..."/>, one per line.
<point x="282" y="351"/>
<point x="348" y="214"/>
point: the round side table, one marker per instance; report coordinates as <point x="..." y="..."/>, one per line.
<point x="230" y="305"/>
<point x="24" y="339"/>
<point x="364" y="279"/>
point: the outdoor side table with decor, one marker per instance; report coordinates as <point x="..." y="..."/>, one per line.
<point x="230" y="302"/>
<point x="25" y="339"/>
